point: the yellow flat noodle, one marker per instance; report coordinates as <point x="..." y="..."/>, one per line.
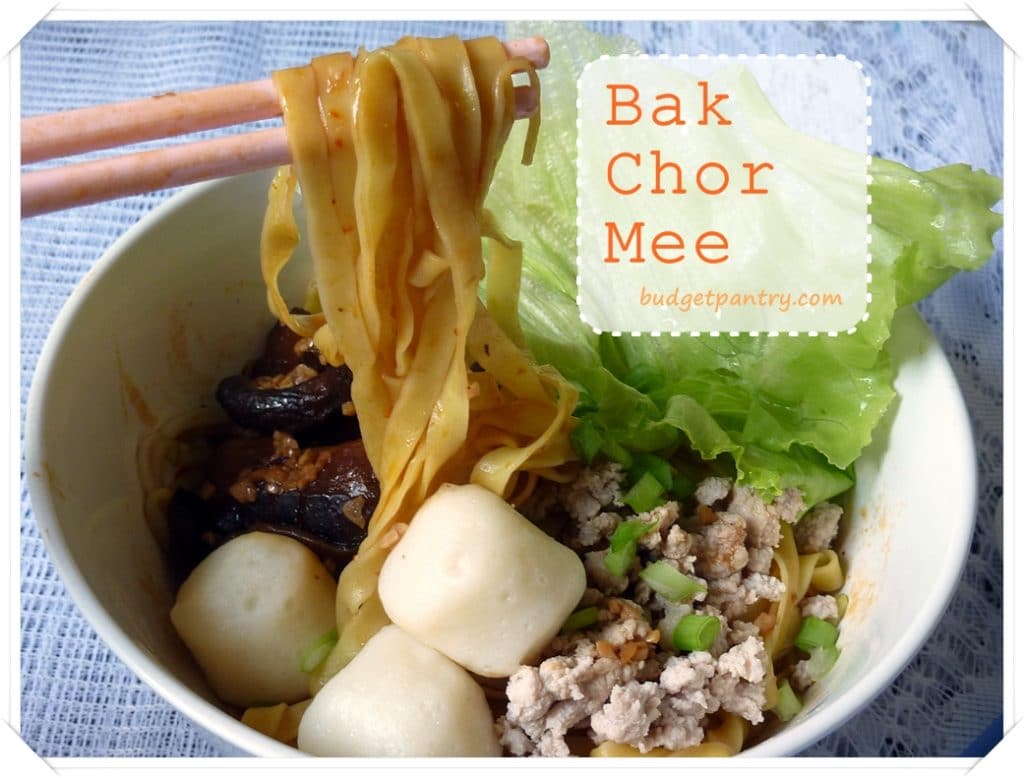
<point x="808" y="563"/>
<point x="504" y="277"/>
<point x="278" y="240"/>
<point x="731" y="733"/>
<point x="280" y="721"/>
<point x="787" y="617"/>
<point x="797" y="572"/>
<point x="827" y="575"/>
<point x="460" y="97"/>
<point x="524" y="490"/>
<point x="355" y="628"/>
<point x="494" y="351"/>
<point x="771" y="687"/>
<point x="795" y="591"/>
<point x="842" y="602"/>
<point x="394" y="151"/>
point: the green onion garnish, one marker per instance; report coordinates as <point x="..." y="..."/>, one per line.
<point x="821" y="661"/>
<point x="788" y="704"/>
<point x="816" y="633"/>
<point x="580" y="619"/>
<point x="695" y="632"/>
<point x="656" y="466"/>
<point x="587" y="441"/>
<point x="645" y="494"/>
<point x="317" y="651"/>
<point x="670" y="583"/>
<point x="622" y="550"/>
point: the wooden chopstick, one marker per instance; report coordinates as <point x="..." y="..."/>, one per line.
<point x="161" y="116"/>
<point x="53" y="189"/>
<point x="101" y="127"/>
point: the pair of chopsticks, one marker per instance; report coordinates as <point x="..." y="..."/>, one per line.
<point x="164" y="116"/>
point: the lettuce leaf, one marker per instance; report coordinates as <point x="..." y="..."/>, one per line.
<point x="784" y="411"/>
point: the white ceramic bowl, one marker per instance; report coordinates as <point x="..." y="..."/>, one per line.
<point x="177" y="303"/>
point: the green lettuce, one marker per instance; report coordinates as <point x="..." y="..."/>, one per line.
<point x="779" y="411"/>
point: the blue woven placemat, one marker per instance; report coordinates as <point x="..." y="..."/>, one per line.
<point x="938" y="99"/>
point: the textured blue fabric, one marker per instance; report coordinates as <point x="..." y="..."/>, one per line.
<point x="937" y="99"/>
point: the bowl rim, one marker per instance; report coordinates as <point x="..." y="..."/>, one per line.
<point x="206" y="715"/>
<point x="792" y="740"/>
<point x="212" y="720"/>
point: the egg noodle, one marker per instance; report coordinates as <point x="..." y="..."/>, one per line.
<point x="394" y="151"/>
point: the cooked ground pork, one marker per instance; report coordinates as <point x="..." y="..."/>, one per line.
<point x="721" y="548"/>
<point x="666" y="515"/>
<point x="545" y="702"/>
<point x="711" y="490"/>
<point x="823" y="606"/>
<point x="667" y="714"/>
<point x="601" y="526"/>
<point x="741" y="630"/>
<point x="762" y="520"/>
<point x="759" y="560"/>
<point x="599" y="576"/>
<point x="789" y="505"/>
<point x="629" y="713"/>
<point x="801" y="678"/>
<point x="740" y="678"/>
<point x="759" y="586"/>
<point x="746" y="660"/>
<point x="733" y="595"/>
<point x="818" y="528"/>
<point x="676" y="546"/>
<point x="592" y="490"/>
<point x="621" y="679"/>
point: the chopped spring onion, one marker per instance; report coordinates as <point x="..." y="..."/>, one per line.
<point x="816" y="633"/>
<point x="580" y="619"/>
<point x="670" y="583"/>
<point x="656" y="466"/>
<point x="821" y="660"/>
<point x="788" y="704"/>
<point x="587" y="441"/>
<point x="645" y="494"/>
<point x="317" y="651"/>
<point x="695" y="632"/>
<point x="623" y="545"/>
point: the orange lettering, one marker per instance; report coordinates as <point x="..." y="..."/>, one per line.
<point x="659" y="167"/>
<point x="712" y="241"/>
<point x="634" y="235"/>
<point x="721" y="169"/>
<point x="673" y="108"/>
<point x="710" y="107"/>
<point x="630" y="103"/>
<point x="668" y="241"/>
<point x="753" y="170"/>
<point x="611" y="178"/>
